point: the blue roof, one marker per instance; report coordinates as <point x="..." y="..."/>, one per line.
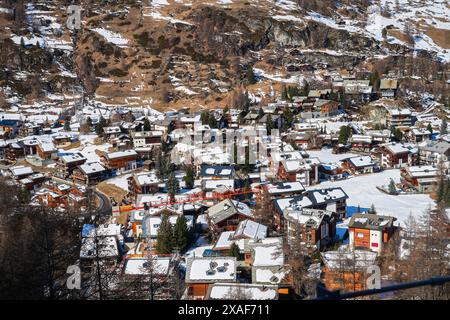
<point x="341" y="233"/>
<point x="87" y="229"/>
<point x="328" y="167"/>
<point x="9" y="122"/>
<point x="351" y="210"/>
<point x="210" y="253"/>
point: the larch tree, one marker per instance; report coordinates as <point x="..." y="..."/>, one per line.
<point x="296" y="253"/>
<point x="263" y="211"/>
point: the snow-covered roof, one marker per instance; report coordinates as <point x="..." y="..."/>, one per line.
<point x="320" y="196"/>
<point x="422" y="171"/>
<point x="228" y="208"/>
<point x="309" y="217"/>
<point x="141" y="266"/>
<point x="89" y="168"/>
<point x="250" y="229"/>
<point x="218" y="171"/>
<point x="284" y="187"/>
<point x="435" y="146"/>
<point x="298" y="202"/>
<point x="107" y="248"/>
<point x="47" y="147"/>
<point x="21" y="171"/>
<point x="72" y="158"/>
<point x="216" y="183"/>
<point x="121" y="154"/>
<point x="268" y="253"/>
<point x="269" y="275"/>
<point x="225" y="240"/>
<point x="399" y="112"/>
<point x="221" y="291"/>
<point x="146" y="178"/>
<point x="370" y="221"/>
<point x="212" y="269"/>
<point x="104" y="230"/>
<point x="109" y="130"/>
<point x="362" y="161"/>
<point x="397" y="148"/>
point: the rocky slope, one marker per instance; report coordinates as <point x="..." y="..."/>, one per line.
<point x="178" y="53"/>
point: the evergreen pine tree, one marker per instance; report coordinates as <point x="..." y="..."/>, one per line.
<point x="269" y="124"/>
<point x="161" y="166"/>
<point x="392" y="188"/>
<point x="250" y="76"/>
<point x="372" y="209"/>
<point x="442" y="186"/>
<point x="212" y="122"/>
<point x="100" y="125"/>
<point x="204" y="117"/>
<point x="180" y="233"/>
<point x="284" y="93"/>
<point x="172" y="185"/>
<point x="67" y="125"/>
<point x="189" y="177"/>
<point x="288" y="118"/>
<point x="164" y="243"/>
<point x="344" y="134"/>
<point x="235" y="251"/>
<point x="147" y="126"/>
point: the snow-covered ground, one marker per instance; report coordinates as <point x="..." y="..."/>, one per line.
<point x="112" y="37"/>
<point x="88" y="151"/>
<point x="434" y="13"/>
<point x="120" y="181"/>
<point x="297" y="79"/>
<point x="362" y="191"/>
<point x="158" y="16"/>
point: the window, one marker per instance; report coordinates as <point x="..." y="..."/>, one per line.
<point x="360" y="235"/>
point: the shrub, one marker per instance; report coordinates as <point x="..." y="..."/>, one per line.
<point x="116" y="72"/>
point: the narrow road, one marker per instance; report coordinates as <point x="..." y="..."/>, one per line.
<point x="104" y="207"/>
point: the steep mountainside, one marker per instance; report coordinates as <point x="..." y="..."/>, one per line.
<point x="181" y="53"/>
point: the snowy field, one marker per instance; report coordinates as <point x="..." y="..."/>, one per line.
<point x="112" y="37"/>
<point x="120" y="181"/>
<point x="362" y="191"/>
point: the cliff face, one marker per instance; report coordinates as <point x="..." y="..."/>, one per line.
<point x="237" y="32"/>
